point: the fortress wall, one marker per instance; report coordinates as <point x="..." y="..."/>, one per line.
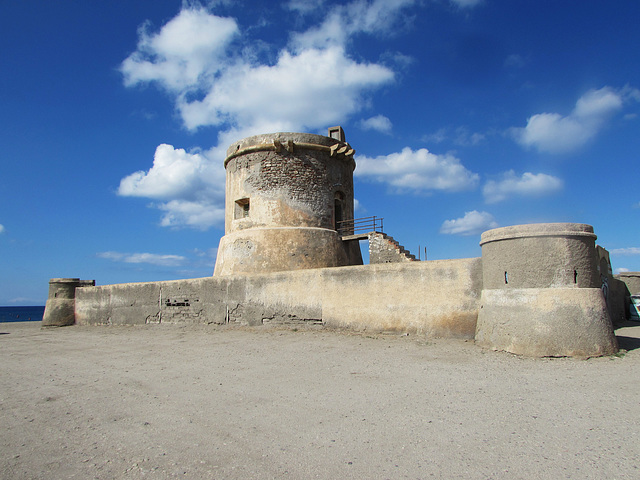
<point x="632" y="281"/>
<point x="437" y="298"/>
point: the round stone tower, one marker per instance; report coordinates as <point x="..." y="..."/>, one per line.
<point x="541" y="292"/>
<point x="285" y="194"/>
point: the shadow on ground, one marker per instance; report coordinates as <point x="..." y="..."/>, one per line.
<point x="628" y="335"/>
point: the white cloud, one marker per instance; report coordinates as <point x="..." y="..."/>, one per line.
<point x="554" y="133"/>
<point x="194" y="214"/>
<point x="304" y="6"/>
<point x="217" y="77"/>
<point x="437" y="137"/>
<point x="173" y="174"/>
<point x="625" y="251"/>
<point x="528" y="185"/>
<point x="465" y="138"/>
<point x="25" y="301"/>
<point x="379" y="123"/>
<point x="310" y="89"/>
<point x="150" y="258"/>
<point x="191" y="184"/>
<point x="620" y="270"/>
<point x="1" y="228"/>
<point x="472" y="223"/>
<point x="186" y="49"/>
<point x="214" y="85"/>
<point x="420" y="171"/>
<point x="344" y="21"/>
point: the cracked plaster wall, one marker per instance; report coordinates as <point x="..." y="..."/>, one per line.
<point x="439" y="299"/>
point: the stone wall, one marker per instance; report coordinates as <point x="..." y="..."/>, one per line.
<point x="438" y="299"/>
<point x="385" y="249"/>
<point x="628" y="283"/>
<point x="631" y="280"/>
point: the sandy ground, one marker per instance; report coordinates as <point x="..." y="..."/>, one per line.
<point x="204" y="402"/>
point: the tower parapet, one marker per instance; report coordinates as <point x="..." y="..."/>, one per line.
<point x="285" y="193"/>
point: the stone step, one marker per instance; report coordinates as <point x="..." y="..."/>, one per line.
<point x="400" y="250"/>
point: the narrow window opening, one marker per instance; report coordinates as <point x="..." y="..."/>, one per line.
<point x="506" y="278"/>
<point x="338" y="210"/>
<point x="242" y="208"/>
<point x="575" y="276"/>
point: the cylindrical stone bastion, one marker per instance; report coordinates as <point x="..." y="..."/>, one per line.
<point x="285" y="194"/>
<point x="541" y="292"/>
<point x="59" y="311"/>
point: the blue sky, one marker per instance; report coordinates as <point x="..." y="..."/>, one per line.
<point x="465" y="115"/>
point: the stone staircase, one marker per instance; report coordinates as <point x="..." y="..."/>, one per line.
<point x="384" y="248"/>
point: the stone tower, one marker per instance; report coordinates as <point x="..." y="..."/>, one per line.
<point x="285" y="194"/>
<point x="542" y="292"/>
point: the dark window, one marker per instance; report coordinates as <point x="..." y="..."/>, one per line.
<point x="242" y="208"/>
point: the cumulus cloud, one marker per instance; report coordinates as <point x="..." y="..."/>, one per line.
<point x="527" y="185"/>
<point x="192" y="186"/>
<point x="310" y="89"/>
<point x="344" y="21"/>
<point x="620" y="270"/>
<point x="150" y="258"/>
<point x="197" y="214"/>
<point x="217" y="77"/>
<point x="420" y="171"/>
<point x="379" y="123"/>
<point x="186" y="50"/>
<point x="309" y="86"/>
<point x="626" y="251"/>
<point x="555" y="133"/>
<point x="472" y="223"/>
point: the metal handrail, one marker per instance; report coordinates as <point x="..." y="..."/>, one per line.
<point x="360" y="225"/>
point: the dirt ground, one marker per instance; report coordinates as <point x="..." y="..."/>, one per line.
<point x="166" y="401"/>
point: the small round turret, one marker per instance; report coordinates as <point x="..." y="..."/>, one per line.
<point x="541" y="292"/>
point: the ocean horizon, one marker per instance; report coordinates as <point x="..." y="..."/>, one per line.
<point x="21" y="314"/>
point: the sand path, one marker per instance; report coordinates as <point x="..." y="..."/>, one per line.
<point x="167" y="401"/>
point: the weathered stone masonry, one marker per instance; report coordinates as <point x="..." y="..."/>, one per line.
<point x="384" y="249"/>
<point x="284" y="194"/>
<point x="542" y="290"/>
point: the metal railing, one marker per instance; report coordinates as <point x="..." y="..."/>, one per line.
<point x="360" y="225"/>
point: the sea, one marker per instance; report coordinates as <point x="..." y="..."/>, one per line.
<point x="21" y="314"/>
